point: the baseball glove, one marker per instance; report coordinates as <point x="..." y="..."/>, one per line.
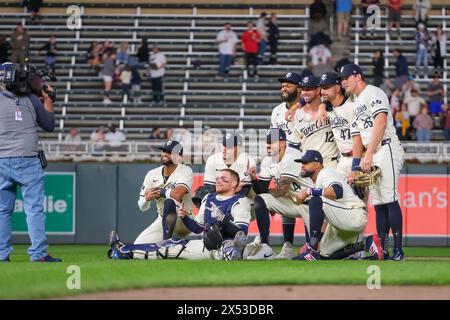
<point x="212" y="236"/>
<point x="366" y="179"/>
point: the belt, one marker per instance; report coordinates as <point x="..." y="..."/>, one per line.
<point x="294" y="145"/>
<point x="385" y="141"/>
<point x="335" y="158"/>
<point x="347" y="154"/>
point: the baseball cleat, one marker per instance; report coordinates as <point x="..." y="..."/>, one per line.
<point x="287" y="252"/>
<point x="264" y="253"/>
<point x="374" y="247"/>
<point x="308" y="255"/>
<point x="115" y="251"/>
<point x="238" y="245"/>
<point x="397" y="255"/>
<point x="48" y="258"/>
<point x="5" y="260"/>
<point x="252" y="248"/>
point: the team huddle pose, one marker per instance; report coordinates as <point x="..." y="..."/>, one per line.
<point x="325" y="130"/>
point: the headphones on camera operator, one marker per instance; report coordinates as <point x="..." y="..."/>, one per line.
<point x="23" y="79"/>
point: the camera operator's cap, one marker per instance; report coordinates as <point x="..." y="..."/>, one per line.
<point x="310" y="156"/>
<point x="310" y="82"/>
<point x="232" y="139"/>
<point x="4" y="68"/>
<point x="329" y="78"/>
<point x="291" y="77"/>
<point x="172" y="145"/>
<point x="350" y="69"/>
<point x="275" y="134"/>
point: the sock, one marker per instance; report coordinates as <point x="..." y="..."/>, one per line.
<point x="288" y="229"/>
<point x="316" y="219"/>
<point x="169" y="218"/>
<point x="382" y="221"/>
<point x="396" y="223"/>
<point x="307" y="240"/>
<point x="262" y="219"/>
<point x="347" y="251"/>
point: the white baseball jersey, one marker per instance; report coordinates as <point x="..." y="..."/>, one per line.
<point x="330" y="176"/>
<point x="182" y="175"/>
<point x="287" y="167"/>
<point x="341" y="119"/>
<point x="314" y="136"/>
<point x="370" y="102"/>
<point x="278" y="121"/>
<point x="215" y="163"/>
<point x="239" y="211"/>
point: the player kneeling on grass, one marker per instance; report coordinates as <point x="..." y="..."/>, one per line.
<point x="333" y="200"/>
<point x="222" y="219"/>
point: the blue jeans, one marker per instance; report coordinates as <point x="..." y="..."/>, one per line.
<point x="423" y="135"/>
<point x="224" y="64"/>
<point x="28" y="174"/>
<point x="262" y="51"/>
<point x="422" y="58"/>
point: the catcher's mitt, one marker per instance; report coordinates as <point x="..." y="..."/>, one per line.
<point x="366" y="179"/>
<point x="212" y="236"/>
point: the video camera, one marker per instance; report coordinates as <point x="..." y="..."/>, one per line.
<point x="23" y="79"/>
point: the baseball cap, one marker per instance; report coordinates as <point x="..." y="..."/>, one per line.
<point x="350" y="69"/>
<point x="275" y="134"/>
<point x="232" y="139"/>
<point x="170" y="145"/>
<point x="329" y="78"/>
<point x="310" y="156"/>
<point x="310" y="82"/>
<point x="291" y="77"/>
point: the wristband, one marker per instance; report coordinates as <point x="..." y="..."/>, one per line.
<point x="315" y="191"/>
<point x="165" y="193"/>
<point x="355" y="163"/>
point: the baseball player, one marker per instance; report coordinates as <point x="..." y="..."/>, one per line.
<point x="340" y="109"/>
<point x="278" y="164"/>
<point x="373" y="130"/>
<point x="333" y="200"/>
<point x="170" y="186"/>
<point x="222" y="219"/>
<point x="290" y="96"/>
<point x="231" y="157"/>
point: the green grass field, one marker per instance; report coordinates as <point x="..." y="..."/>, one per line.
<point x="21" y="279"/>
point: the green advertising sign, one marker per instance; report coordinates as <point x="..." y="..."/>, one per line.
<point x="59" y="205"/>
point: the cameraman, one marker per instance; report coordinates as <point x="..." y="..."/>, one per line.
<point x="20" y="163"/>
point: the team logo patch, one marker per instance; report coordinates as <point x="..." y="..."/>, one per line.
<point x="169" y="142"/>
<point x="289" y="74"/>
<point x="342" y="69"/>
<point x="228" y="136"/>
<point x="324" y="77"/>
<point x="305" y="80"/>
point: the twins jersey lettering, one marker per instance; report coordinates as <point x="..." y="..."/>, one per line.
<point x="341" y="119"/>
<point x="314" y="136"/>
<point x="371" y="102"/>
<point x="287" y="167"/>
<point x="182" y="175"/>
<point x="278" y="121"/>
<point x="215" y="163"/>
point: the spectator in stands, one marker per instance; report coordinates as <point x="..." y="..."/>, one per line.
<point x="423" y="123"/>
<point x="135" y="85"/>
<point x="168" y="134"/>
<point x="93" y="55"/>
<point x="115" y="138"/>
<point x="435" y="95"/>
<point x="342" y="62"/>
<point x="227" y="41"/>
<point x="183" y="136"/>
<point x="415" y="103"/>
<point x="262" y="29"/>
<point x="421" y="8"/>
<point x="378" y="67"/>
<point x="343" y="9"/>
<point x="156" y="134"/>
<point x="320" y="59"/>
<point x="19" y="44"/>
<point x="446" y="110"/>
<point x="317" y="14"/>
<point x="395" y="16"/>
<point x="108" y="48"/>
<point x="394" y="101"/>
<point x="439" y="49"/>
<point x="5" y="47"/>
<point x="125" y="78"/>
<point x="250" y="44"/>
<point x="158" y="64"/>
<point x="274" y="36"/>
<point x="51" y="53"/>
<point x="33" y="7"/>
<point x="108" y="72"/>
<point x="97" y="139"/>
<point x="409" y="86"/>
<point x="422" y="43"/>
<point x="72" y="140"/>
<point x="401" y="68"/>
<point x="143" y="53"/>
<point x="123" y="53"/>
<point x="366" y="13"/>
<point x="402" y="122"/>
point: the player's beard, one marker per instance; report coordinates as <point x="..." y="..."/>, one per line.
<point x="307" y="173"/>
<point x="166" y="162"/>
<point x="291" y="97"/>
